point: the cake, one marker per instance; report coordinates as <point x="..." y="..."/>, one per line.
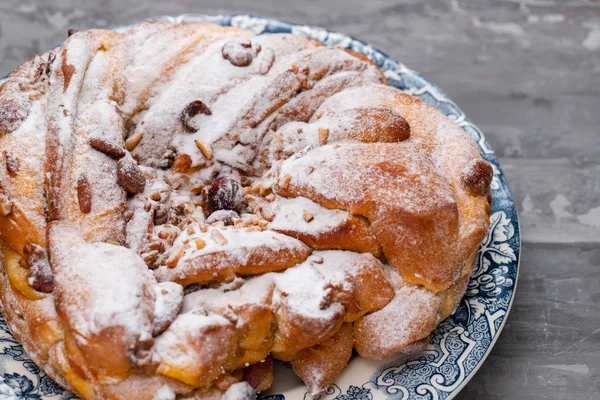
<point x="182" y="204"/>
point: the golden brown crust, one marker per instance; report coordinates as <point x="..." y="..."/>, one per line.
<point x="347" y="174"/>
<point x="318" y="366"/>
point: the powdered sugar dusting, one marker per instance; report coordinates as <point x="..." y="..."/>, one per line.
<point x="290" y="214"/>
<point x="88" y="293"/>
<point x="311" y="140"/>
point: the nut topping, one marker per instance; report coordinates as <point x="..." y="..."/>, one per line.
<point x="84" y="194"/>
<point x="205" y="149"/>
<point x="285" y="181"/>
<point x="133" y="141"/>
<point x="160" y="214"/>
<point x="190" y="111"/>
<point x="110" y="149"/>
<point x="323" y="136"/>
<point x="174" y="259"/>
<point x="218" y="237"/>
<point x="130" y="175"/>
<point x="307" y="216"/>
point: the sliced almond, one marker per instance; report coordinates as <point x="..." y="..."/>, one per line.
<point x="205" y="149"/>
<point x="218" y="237"/>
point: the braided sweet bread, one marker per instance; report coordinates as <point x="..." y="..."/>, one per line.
<point x="181" y="204"/>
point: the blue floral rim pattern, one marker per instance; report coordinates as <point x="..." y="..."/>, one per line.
<point x="458" y="346"/>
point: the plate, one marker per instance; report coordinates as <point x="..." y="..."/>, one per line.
<point x="459" y="345"/>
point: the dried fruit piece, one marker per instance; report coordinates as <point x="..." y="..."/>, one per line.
<point x="239" y="52"/>
<point x="108" y="148"/>
<point x="190" y="111"/>
<point x="84" y="194"/>
<point x="40" y="274"/>
<point x="477" y="176"/>
<point x="223" y="194"/>
<point x="130" y="175"/>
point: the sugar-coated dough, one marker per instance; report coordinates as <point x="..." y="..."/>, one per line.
<point x="180" y="204"/>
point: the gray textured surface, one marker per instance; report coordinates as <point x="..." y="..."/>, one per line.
<point x="528" y="73"/>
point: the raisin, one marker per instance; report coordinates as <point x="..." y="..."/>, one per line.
<point x="477" y="176"/>
<point x="190" y="111"/>
<point x="239" y="53"/>
<point x="40" y="274"/>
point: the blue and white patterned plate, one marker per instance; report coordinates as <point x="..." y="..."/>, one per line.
<point x="458" y="346"/>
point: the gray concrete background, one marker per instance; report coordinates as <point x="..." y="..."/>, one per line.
<point x="528" y="73"/>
